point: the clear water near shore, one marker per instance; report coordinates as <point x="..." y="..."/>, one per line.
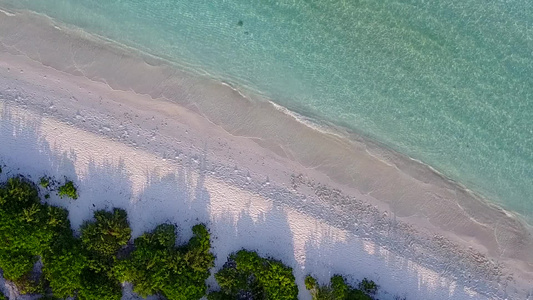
<point x="447" y="83"/>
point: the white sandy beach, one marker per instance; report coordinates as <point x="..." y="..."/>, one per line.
<point x="134" y="132"/>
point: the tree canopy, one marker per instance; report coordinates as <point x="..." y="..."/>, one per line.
<point x="338" y="289"/>
<point x="250" y="276"/>
<point x="158" y="266"/>
<point x="29" y="229"/>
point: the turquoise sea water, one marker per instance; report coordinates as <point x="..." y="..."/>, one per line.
<point x="447" y="82"/>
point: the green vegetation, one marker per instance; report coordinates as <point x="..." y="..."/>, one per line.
<point x="107" y="234"/>
<point x="101" y="240"/>
<point x="368" y="286"/>
<point x="69" y="190"/>
<point x="94" y="265"/>
<point x="158" y="266"/>
<point x="63" y="267"/>
<point x="88" y="267"/>
<point x="30" y="284"/>
<point x="96" y="285"/>
<point x="29" y="230"/>
<point x="66" y="190"/>
<point x="2" y="296"/>
<point x="338" y="289"/>
<point x="249" y="276"/>
<point x="44" y="182"/>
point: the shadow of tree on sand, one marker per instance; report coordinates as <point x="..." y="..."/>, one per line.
<point x="23" y="150"/>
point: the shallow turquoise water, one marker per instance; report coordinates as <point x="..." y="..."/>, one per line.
<point x="446" y="82"/>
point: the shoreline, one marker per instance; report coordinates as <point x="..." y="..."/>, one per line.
<point x="196" y="96"/>
<point x="375" y="148"/>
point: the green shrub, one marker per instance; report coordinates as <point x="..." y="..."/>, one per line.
<point x="31" y="229"/>
<point x="247" y="275"/>
<point x="368" y="286"/>
<point x="152" y="251"/>
<point x="17" y="194"/>
<point x="2" y="296"/>
<point x="63" y="260"/>
<point x="338" y="289"/>
<point x="30" y="284"/>
<point x="310" y="282"/>
<point x="96" y="286"/>
<point x="157" y="266"/>
<point x="44" y="182"/>
<point x="107" y="234"/>
<point x="25" y="231"/>
<point x="69" y="190"/>
<point x="63" y="266"/>
<point x="101" y="240"/>
<point x="16" y="264"/>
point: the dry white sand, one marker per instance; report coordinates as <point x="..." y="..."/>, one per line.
<point x="168" y="146"/>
